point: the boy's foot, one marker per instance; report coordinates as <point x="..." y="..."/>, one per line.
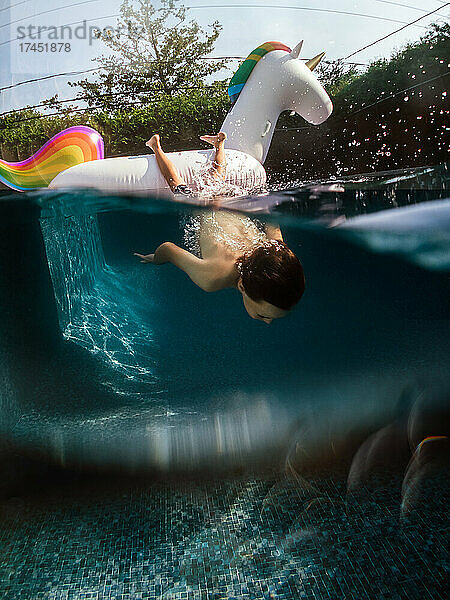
<point x="153" y="142"/>
<point x="214" y="140"/>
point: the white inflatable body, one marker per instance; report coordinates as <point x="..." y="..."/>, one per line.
<point x="279" y="81"/>
<point x="418" y="233"/>
<point x="426" y="217"/>
<point x="140" y="174"/>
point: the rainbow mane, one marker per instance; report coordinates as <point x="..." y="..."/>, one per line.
<point x="70" y="147"/>
<point x="239" y="79"/>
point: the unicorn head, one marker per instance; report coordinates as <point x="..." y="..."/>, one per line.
<point x="271" y="80"/>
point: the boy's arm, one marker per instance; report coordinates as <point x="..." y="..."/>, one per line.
<point x="273" y="232"/>
<point x="202" y="272"/>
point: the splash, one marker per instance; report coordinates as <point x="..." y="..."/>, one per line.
<point x="236" y="232"/>
<point x="210" y="185"/>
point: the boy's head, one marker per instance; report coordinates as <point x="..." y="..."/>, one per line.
<point x="271" y="281"/>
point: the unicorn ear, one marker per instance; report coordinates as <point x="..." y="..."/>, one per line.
<point x="295" y="53"/>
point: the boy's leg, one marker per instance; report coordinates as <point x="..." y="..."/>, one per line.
<point x="166" y="166"/>
<point x="218" y="141"/>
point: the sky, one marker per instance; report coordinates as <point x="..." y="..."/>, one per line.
<point x="245" y="26"/>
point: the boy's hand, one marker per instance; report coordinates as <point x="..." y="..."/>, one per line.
<point x="161" y="255"/>
<point x="145" y="258"/>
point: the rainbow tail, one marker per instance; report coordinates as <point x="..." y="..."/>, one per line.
<point x="70" y="147"/>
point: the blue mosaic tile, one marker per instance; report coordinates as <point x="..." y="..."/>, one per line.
<point x="243" y="539"/>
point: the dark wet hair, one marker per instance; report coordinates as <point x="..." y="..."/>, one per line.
<point x="272" y="273"/>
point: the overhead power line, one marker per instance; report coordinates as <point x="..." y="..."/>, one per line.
<point x="343" y="117"/>
<point x="412" y="87"/>
<point x="381" y="1"/>
<point x="396" y="31"/>
<point x="46" y="12"/>
<point x="69" y="25"/>
<point x="301" y="8"/>
<point x="68" y="73"/>
<point x="364" y="108"/>
<point x="82" y="72"/>
<point x="14" y="5"/>
<point x="75" y="110"/>
<point x="106" y="95"/>
<point x="77" y="98"/>
<point x="407" y="5"/>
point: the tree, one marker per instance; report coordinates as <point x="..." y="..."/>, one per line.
<point x="393" y="115"/>
<point x="155" y="50"/>
<point x="335" y="75"/>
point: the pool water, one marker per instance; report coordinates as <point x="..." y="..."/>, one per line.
<point x="250" y="461"/>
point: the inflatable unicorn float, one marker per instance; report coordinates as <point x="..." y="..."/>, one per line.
<point x="271" y="80"/>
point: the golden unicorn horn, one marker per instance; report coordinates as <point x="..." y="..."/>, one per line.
<point x="312" y="64"/>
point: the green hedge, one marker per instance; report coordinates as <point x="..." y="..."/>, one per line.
<point x="179" y="120"/>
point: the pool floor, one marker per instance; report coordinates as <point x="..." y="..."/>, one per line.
<point x="244" y="537"/>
